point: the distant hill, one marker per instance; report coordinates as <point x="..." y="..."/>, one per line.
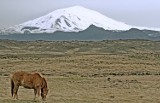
<point x="92" y="33"/>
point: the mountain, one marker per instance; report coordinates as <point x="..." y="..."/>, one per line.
<point x="77" y="23"/>
<point x="73" y="19"/>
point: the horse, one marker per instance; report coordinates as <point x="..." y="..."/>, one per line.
<point x="30" y="81"/>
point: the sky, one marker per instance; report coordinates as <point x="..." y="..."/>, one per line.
<point x="134" y="12"/>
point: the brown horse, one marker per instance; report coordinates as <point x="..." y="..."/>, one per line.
<point x="30" y="81"/>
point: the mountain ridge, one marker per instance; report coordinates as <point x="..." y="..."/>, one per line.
<point x="92" y="33"/>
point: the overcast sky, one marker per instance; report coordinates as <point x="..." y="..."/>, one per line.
<point x="133" y="12"/>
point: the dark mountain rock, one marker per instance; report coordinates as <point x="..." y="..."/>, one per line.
<point x="92" y="33"/>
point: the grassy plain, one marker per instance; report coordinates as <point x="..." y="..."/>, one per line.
<point x="120" y="71"/>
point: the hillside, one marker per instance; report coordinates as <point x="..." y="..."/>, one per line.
<point x="91" y="33"/>
<point x="87" y="47"/>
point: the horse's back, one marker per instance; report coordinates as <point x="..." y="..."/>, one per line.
<point x="18" y="75"/>
<point x="23" y="74"/>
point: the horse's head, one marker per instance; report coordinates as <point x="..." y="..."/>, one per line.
<point x="44" y="93"/>
<point x="44" y="90"/>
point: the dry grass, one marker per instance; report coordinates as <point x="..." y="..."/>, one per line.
<point x="80" y="75"/>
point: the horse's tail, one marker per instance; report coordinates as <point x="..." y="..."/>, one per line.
<point x="12" y="86"/>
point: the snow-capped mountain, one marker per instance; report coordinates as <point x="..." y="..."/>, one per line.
<point x="73" y="19"/>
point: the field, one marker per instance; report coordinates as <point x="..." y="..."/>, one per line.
<point x="119" y="71"/>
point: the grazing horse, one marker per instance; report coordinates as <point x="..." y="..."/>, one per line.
<point x="30" y="81"/>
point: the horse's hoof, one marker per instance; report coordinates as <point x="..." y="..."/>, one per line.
<point x="44" y="99"/>
<point x="14" y="99"/>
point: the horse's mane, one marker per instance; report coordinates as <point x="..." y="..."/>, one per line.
<point x="38" y="74"/>
<point x="44" y="82"/>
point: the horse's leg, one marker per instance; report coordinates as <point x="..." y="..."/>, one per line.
<point x="38" y="92"/>
<point x="16" y="92"/>
<point x="35" y="93"/>
<point x="15" y="95"/>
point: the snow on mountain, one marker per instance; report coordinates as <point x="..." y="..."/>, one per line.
<point x="73" y="19"/>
